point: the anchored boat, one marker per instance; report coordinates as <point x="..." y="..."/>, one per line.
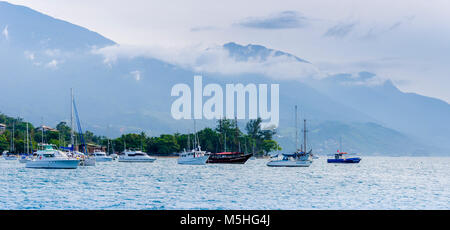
<point x="50" y="158"/>
<point x="135" y="156"/>
<point x="300" y="158"/>
<point x="340" y="157"/>
<point x="194" y="157"/>
<point x="229" y="158"/>
<point x="100" y="156"/>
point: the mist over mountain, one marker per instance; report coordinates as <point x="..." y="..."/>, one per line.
<point x="41" y="58"/>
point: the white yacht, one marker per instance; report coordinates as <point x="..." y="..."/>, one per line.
<point x="135" y="156"/>
<point x="101" y="156"/>
<point x="51" y="158"/>
<point x="193" y="157"/>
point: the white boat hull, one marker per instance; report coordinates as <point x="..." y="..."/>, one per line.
<point x="10" y="158"/>
<point x="288" y="163"/>
<point x="103" y="159"/>
<point x="23" y="160"/>
<point x="87" y="162"/>
<point x="53" y="164"/>
<point x="193" y="160"/>
<point x="143" y="160"/>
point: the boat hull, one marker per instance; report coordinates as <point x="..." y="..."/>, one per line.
<point x="23" y="160"/>
<point x="193" y="160"/>
<point x="10" y="158"/>
<point x="103" y="159"/>
<point x="288" y="163"/>
<point x="53" y="164"/>
<point x="87" y="162"/>
<point x="224" y="159"/>
<point x="141" y="160"/>
<point x="345" y="161"/>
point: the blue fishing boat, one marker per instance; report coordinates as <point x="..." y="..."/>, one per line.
<point x="340" y="157"/>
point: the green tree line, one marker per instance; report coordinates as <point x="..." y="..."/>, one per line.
<point x="225" y="136"/>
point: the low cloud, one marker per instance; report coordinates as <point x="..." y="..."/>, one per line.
<point x="53" y="64"/>
<point x="214" y="59"/>
<point x="282" y="20"/>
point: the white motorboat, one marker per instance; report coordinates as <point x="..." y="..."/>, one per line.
<point x="194" y="157"/>
<point x="50" y="158"/>
<point x="101" y="156"/>
<point x="135" y="156"/>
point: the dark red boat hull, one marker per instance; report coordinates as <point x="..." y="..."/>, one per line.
<point x="229" y="158"/>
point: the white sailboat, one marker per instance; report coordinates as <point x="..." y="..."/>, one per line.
<point x="300" y="158"/>
<point x="9" y="156"/>
<point x="26" y="157"/>
<point x="85" y="159"/>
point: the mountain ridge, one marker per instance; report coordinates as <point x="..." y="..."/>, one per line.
<point x="133" y="95"/>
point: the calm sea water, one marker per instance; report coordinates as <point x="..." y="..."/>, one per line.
<point x="375" y="183"/>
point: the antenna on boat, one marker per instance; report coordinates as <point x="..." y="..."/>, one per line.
<point x="237" y="134"/>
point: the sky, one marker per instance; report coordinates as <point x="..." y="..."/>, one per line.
<point x="406" y="41"/>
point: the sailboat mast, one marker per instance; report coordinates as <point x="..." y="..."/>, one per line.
<point x="304" y="134"/>
<point x="28" y="143"/>
<point x="237" y="134"/>
<point x="195" y="136"/>
<point x="189" y="141"/>
<point x="225" y="140"/>
<point x="296" y="130"/>
<point x="72" y="140"/>
<point x="12" y="139"/>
